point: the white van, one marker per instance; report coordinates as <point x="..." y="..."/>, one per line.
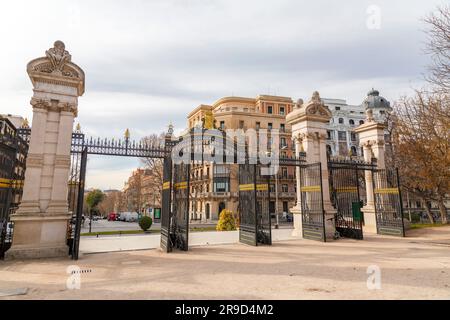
<point x="132" y="217"/>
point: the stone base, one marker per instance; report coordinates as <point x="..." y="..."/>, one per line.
<point x="298" y="228"/>
<point x="28" y="252"/>
<point x="370" y="220"/>
<point x="39" y="236"/>
<point x="330" y="226"/>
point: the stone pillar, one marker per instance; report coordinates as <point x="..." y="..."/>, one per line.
<point x="297" y="209"/>
<point x="40" y="224"/>
<point x="371" y="138"/>
<point x="309" y="126"/>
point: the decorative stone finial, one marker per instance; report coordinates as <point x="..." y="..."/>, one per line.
<point x="369" y="115"/>
<point x="58" y="56"/>
<point x="299" y="103"/>
<point x="315" y="97"/>
<point x="25" y="123"/>
<point x="127" y="134"/>
<point x="78" y="128"/>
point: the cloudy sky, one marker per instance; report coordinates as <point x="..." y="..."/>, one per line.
<point x="150" y="62"/>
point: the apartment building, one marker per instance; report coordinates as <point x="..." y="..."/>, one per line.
<point x="214" y="187"/>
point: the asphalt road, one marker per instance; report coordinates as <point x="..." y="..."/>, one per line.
<point x="105" y="225"/>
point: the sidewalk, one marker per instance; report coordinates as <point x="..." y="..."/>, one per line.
<point x="152" y="241"/>
<point x="416" y="267"/>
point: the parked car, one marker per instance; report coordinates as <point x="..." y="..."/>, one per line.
<point x="112" y="216"/>
<point x="122" y="216"/>
<point x="132" y="217"/>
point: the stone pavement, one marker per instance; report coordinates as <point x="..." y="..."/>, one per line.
<point x="416" y="267"/>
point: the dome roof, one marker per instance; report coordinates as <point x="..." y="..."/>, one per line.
<point x="375" y="101"/>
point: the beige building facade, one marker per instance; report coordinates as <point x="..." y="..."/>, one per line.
<point x="215" y="186"/>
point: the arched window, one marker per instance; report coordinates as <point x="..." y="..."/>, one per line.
<point x="352" y="122"/>
<point x="361" y="122"/>
<point x="341" y="120"/>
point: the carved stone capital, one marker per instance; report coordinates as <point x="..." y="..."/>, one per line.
<point x="55" y="106"/>
<point x="379" y="143"/>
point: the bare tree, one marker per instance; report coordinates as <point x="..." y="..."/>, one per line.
<point x="421" y="138"/>
<point x="153" y="170"/>
<point x="438" y="31"/>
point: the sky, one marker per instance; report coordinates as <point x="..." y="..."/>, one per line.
<point x="149" y="63"/>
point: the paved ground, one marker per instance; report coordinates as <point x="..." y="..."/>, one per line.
<point x="152" y="241"/>
<point x="417" y="267"/>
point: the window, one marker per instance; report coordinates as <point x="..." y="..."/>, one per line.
<point x="283" y="142"/>
<point x="341" y="121"/>
<point x="342" y="135"/>
<point x="329" y="135"/>
<point x="282" y="127"/>
<point x="382" y="112"/>
<point x="222" y="124"/>
<point x="272" y="187"/>
<point x="352" y="122"/>
<point x="284" y="172"/>
<point x="337" y="108"/>
<point x="361" y="122"/>
<point x="284" y="188"/>
<point x="285" y="206"/>
<point x="353" y="136"/>
<point x="258" y="125"/>
<point x="221" y="185"/>
<point x="241" y="124"/>
<point x="270" y="109"/>
<point x="270" y="126"/>
<point x="282" y="111"/>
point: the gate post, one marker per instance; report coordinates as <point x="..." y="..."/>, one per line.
<point x="309" y="129"/>
<point x="40" y="224"/>
<point x="371" y="139"/>
<point x="297" y="209"/>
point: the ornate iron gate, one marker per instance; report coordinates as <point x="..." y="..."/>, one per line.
<point x="166" y="216"/>
<point x="313" y="215"/>
<point x="80" y="149"/>
<point x="264" y="227"/>
<point x="347" y="193"/>
<point x="13" y="153"/>
<point x="247" y="204"/>
<point x="180" y="222"/>
<point x="388" y="202"/>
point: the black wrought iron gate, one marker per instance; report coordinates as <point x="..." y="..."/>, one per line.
<point x="180" y="217"/>
<point x="13" y="153"/>
<point x="388" y="202"/>
<point x="313" y="215"/>
<point x="347" y="194"/>
<point x="254" y="198"/>
<point x="166" y="215"/>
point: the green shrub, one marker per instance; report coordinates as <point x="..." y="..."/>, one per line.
<point x="227" y="222"/>
<point x="145" y="223"/>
